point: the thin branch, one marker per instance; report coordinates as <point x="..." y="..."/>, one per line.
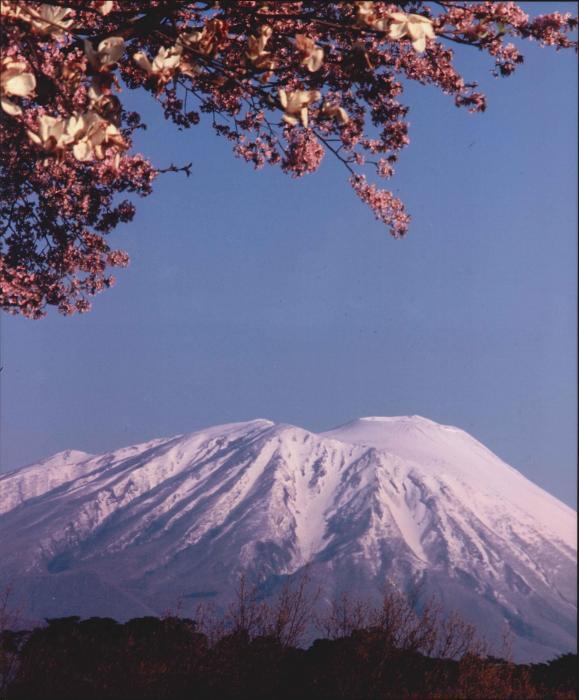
<point x="176" y="169"/>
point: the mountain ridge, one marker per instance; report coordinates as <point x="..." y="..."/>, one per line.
<point x="400" y="501"/>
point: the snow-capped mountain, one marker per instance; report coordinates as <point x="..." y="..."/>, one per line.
<point x="379" y="502"/>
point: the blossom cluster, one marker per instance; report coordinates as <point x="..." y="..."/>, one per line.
<point x="285" y="82"/>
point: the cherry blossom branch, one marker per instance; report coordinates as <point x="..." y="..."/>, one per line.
<point x="285" y="83"/>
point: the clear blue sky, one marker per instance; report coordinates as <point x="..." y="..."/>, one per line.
<point x="253" y="295"/>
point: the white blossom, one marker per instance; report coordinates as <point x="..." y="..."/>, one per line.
<point x="50" y="19"/>
<point x="417" y="27"/>
<point x="12" y="9"/>
<point x="257" y="54"/>
<point x="91" y="134"/>
<point x="87" y="135"/>
<point x="334" y="111"/>
<point x="203" y="41"/>
<point x="366" y="16"/>
<point x="52" y="134"/>
<point x="256" y="44"/>
<point x="105" y="7"/>
<point x="164" y="64"/>
<point x="14" y="82"/>
<point x="296" y="103"/>
<point x="312" y="55"/>
<point x="109" y="51"/>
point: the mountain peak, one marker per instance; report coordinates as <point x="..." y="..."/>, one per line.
<point x="393" y="419"/>
<point x="400" y="500"/>
<point x="382" y="431"/>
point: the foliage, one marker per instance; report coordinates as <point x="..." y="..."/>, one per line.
<point x="284" y="82"/>
<point x="11" y="640"/>
<point x="254" y="651"/>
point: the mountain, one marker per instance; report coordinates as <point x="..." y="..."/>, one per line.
<point x="376" y="503"/>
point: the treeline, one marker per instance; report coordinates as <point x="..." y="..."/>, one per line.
<point x="254" y="651"/>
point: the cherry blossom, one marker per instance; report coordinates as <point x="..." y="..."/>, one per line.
<point x="304" y="153"/>
<point x="284" y="82"/>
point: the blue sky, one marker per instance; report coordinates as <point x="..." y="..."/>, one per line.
<point x="253" y="295"/>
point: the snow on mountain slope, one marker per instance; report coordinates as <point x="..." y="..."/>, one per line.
<point x="454" y="457"/>
<point x="401" y="502"/>
<point x="37" y="479"/>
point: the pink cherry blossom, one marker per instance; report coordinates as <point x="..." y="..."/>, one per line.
<point x="284" y="82"/>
